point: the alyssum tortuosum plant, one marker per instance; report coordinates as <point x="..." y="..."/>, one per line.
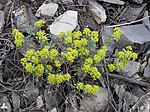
<point x="72" y="58"/>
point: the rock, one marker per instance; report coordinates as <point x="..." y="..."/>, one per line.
<point x="137" y="1"/>
<point x="47" y="9"/>
<point x="132" y="13"/>
<point x="16" y="101"/>
<point x="64" y="1"/>
<point x="4" y="104"/>
<point x="66" y="21"/>
<point x="143" y="104"/>
<point x="130" y="36"/>
<point x="1" y="6"/>
<point x="31" y="91"/>
<point x="54" y="110"/>
<point x="2" y="21"/>
<point x="96" y="103"/>
<point x="120" y="90"/>
<point x="146" y="22"/>
<point x="24" y="18"/>
<point x="131" y="68"/>
<point x="97" y="11"/>
<point x="147" y="70"/>
<point x="39" y="102"/>
<point x="52" y="99"/>
<point x="137" y="91"/>
<point x="114" y="1"/>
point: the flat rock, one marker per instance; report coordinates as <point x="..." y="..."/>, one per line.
<point x="130" y="35"/>
<point x="97" y="11"/>
<point x="96" y="103"/>
<point x="131" y="68"/>
<point x="47" y="9"/>
<point x="66" y="21"/>
<point x="31" y="91"/>
<point x="2" y="21"/>
<point x="114" y="1"/>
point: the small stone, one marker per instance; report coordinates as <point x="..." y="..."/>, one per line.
<point x="97" y="103"/>
<point x="39" y="102"/>
<point x="97" y="11"/>
<point x="65" y="22"/>
<point x="2" y="21"/>
<point x="5" y="104"/>
<point x="47" y="9"/>
<point x="131" y="68"/>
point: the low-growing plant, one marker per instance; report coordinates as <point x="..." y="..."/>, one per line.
<point x="71" y="59"/>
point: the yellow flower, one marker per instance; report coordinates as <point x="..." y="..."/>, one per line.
<point x="68" y="40"/>
<point x="129" y="48"/>
<point x="86" y="68"/>
<point x="53" y="53"/>
<point x="79" y="86"/>
<point x="134" y="56"/>
<point x="35" y="59"/>
<point x="69" y="33"/>
<point x="39" y="70"/>
<point x="49" y="67"/>
<point x="86" y="31"/>
<point x="39" y="23"/>
<point x="29" y="54"/>
<point x="59" y="78"/>
<point x="111" y="67"/>
<point x="121" y="55"/>
<point x="57" y="63"/>
<point x="120" y="65"/>
<point x="61" y="34"/>
<point x="67" y="76"/>
<point x="87" y="88"/>
<point x="29" y="67"/>
<point x="23" y="61"/>
<point x="52" y="79"/>
<point x="84" y="42"/>
<point x="77" y="43"/>
<point x="88" y="61"/>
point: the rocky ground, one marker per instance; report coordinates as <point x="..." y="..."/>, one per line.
<point x="121" y="91"/>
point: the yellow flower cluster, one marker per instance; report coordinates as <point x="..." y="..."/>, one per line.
<point x="117" y="33"/>
<point x="70" y="54"/>
<point x="100" y="54"/>
<point x="87" y="89"/>
<point x="123" y="59"/>
<point x="58" y="78"/>
<point x="18" y="37"/>
<point x="93" y="71"/>
<point x="53" y="53"/>
<point x="41" y="36"/>
<point x="39" y="23"/>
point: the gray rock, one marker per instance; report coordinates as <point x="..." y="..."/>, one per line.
<point x="31" y="91"/>
<point x="64" y="1"/>
<point x="147" y="70"/>
<point x="4" y="104"/>
<point x="131" y="68"/>
<point x="97" y="103"/>
<point x="114" y="1"/>
<point x="16" y="101"/>
<point x="146" y="22"/>
<point x="48" y="9"/>
<point x="39" y="102"/>
<point x="97" y="11"/>
<point x="52" y="99"/>
<point x="138" y="1"/>
<point x="130" y="35"/>
<point x="2" y="21"/>
<point x="66" y="21"/>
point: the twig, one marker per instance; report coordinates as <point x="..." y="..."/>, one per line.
<point x="126" y="79"/>
<point x="112" y="26"/>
